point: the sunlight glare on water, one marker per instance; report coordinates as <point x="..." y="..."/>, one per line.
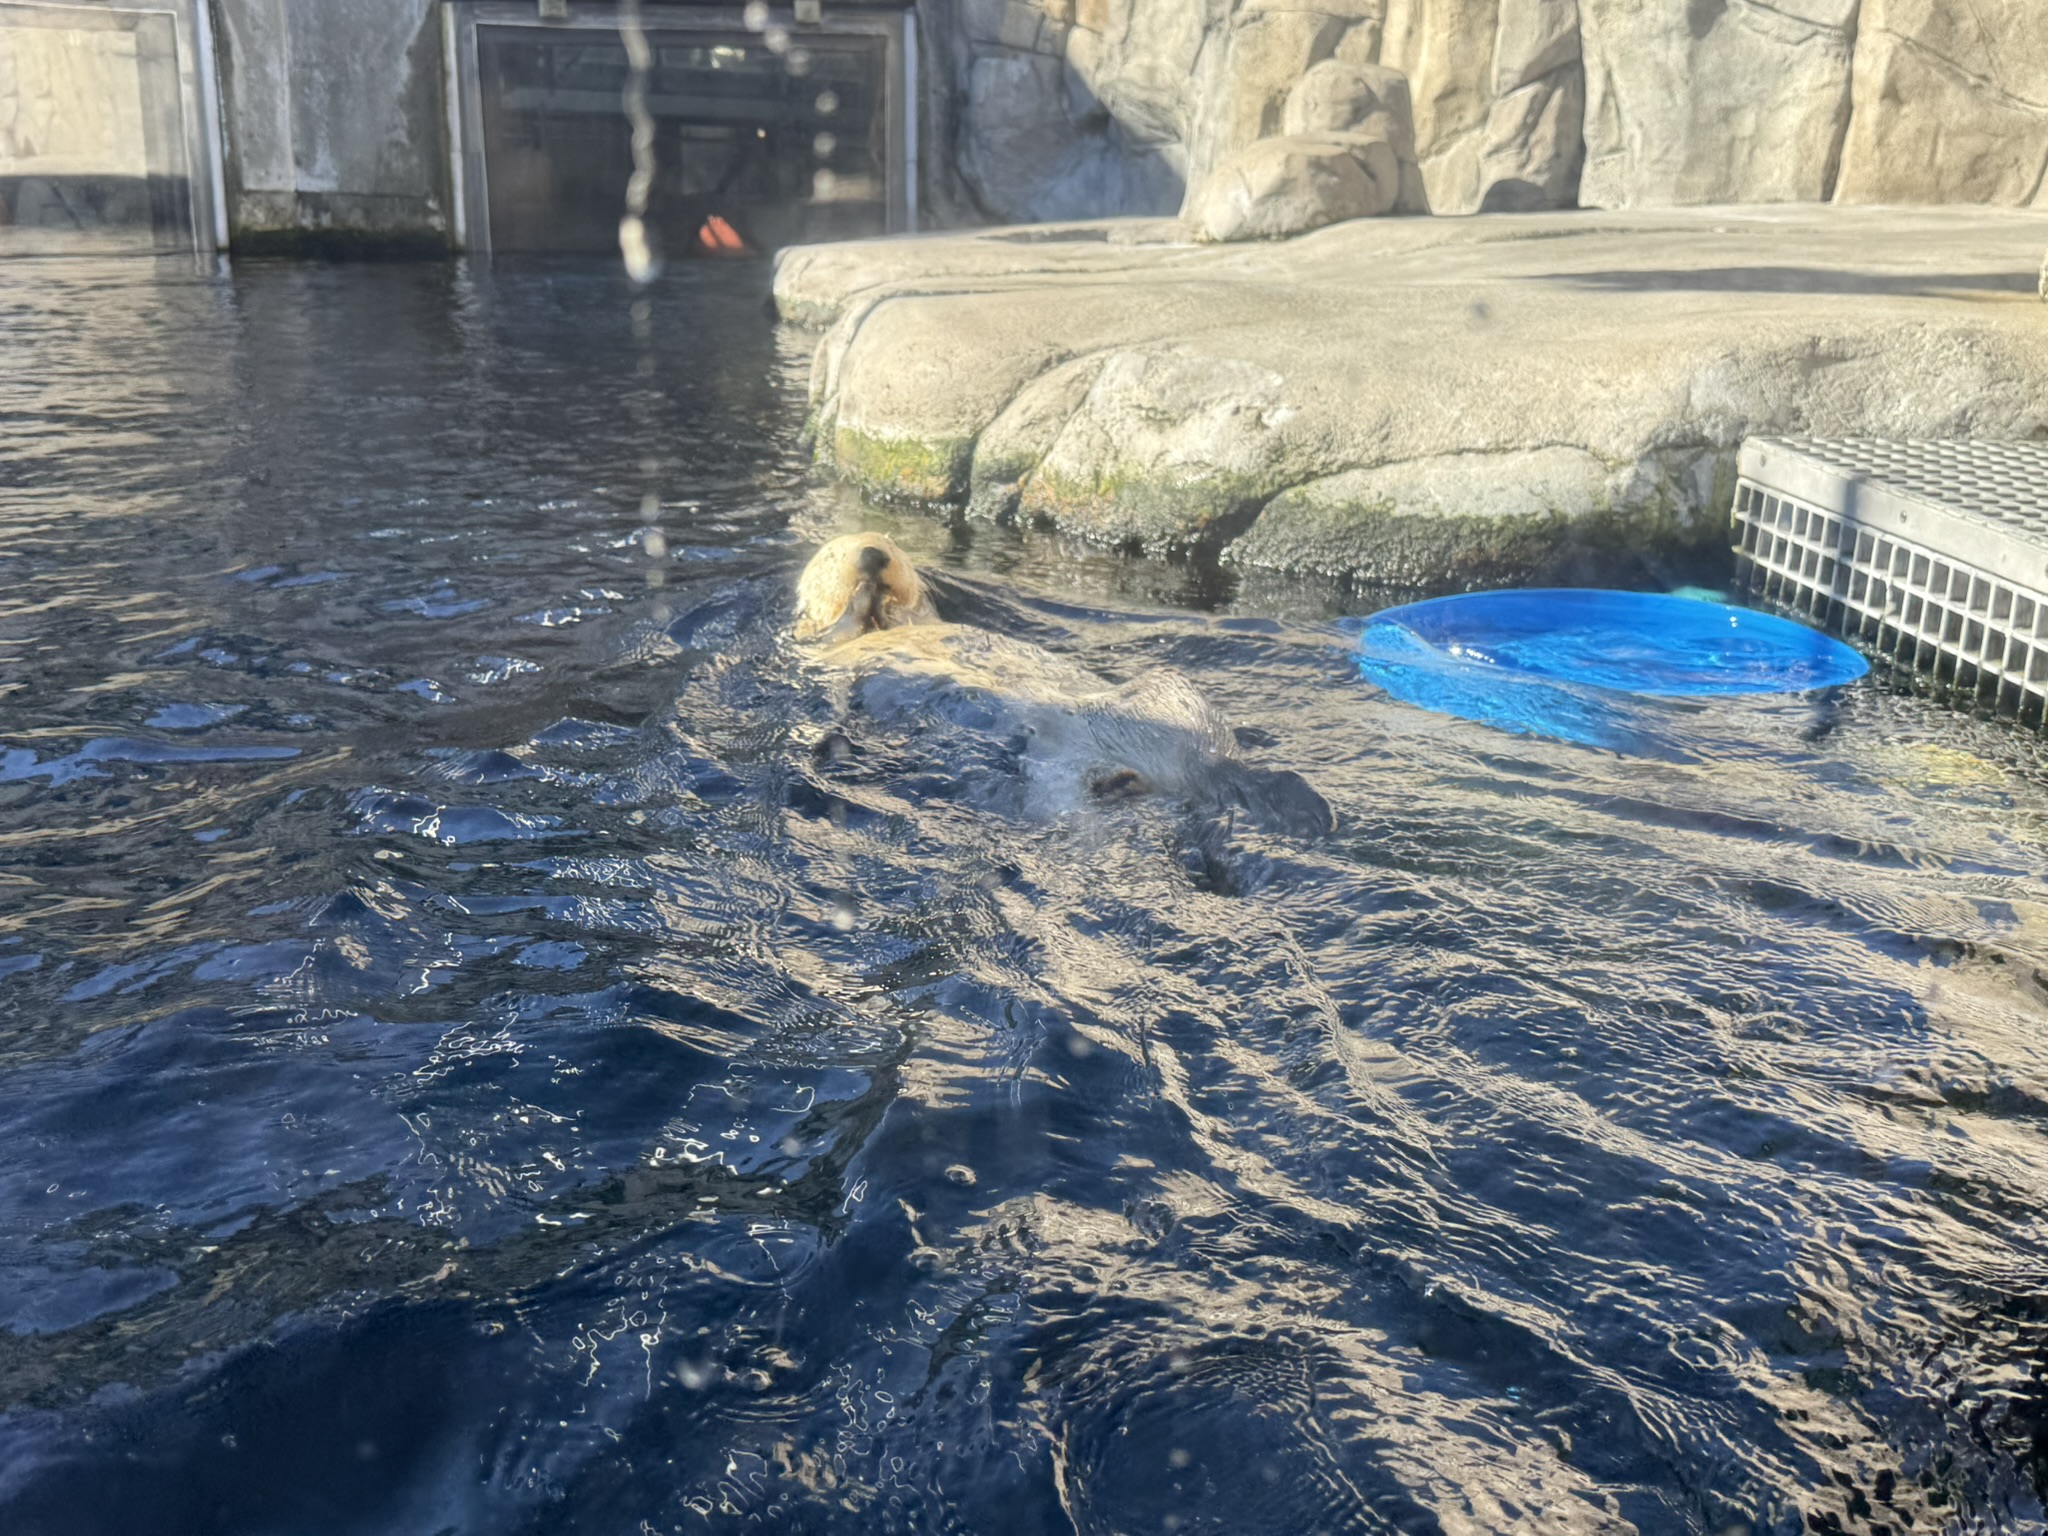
<point x="471" y="1062"/>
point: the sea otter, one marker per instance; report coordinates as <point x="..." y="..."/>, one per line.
<point x="863" y="604"/>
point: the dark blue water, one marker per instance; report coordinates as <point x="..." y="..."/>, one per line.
<point x="468" y="1064"/>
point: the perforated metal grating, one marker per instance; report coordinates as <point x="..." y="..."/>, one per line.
<point x="1933" y="555"/>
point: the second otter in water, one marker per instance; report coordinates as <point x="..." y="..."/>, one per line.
<point x="862" y="601"/>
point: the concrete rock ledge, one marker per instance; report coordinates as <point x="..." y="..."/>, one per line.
<point x="1430" y="403"/>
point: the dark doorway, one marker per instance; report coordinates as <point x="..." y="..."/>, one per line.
<point x="755" y="148"/>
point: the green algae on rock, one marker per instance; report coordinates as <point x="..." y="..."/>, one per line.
<point x="1472" y="520"/>
<point x="1418" y="401"/>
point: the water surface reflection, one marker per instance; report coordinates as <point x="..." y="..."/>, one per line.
<point x="472" y="1066"/>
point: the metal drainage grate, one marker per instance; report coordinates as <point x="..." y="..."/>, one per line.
<point x="1933" y="555"/>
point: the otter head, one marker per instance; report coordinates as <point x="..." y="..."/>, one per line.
<point x="857" y="583"/>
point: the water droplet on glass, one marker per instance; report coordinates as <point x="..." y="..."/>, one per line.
<point x="827" y="103"/>
<point x="633" y="246"/>
<point x="823" y="145"/>
<point x="755" y="16"/>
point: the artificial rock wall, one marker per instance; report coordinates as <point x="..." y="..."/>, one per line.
<point x="1054" y="109"/>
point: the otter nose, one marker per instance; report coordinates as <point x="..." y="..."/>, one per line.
<point x="863" y="609"/>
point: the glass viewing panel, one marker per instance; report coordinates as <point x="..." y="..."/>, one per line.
<point x="754" y="149"/>
<point x="93" y="150"/>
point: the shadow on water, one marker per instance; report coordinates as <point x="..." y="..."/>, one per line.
<point x="472" y="1063"/>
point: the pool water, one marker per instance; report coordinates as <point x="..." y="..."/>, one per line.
<point x="470" y="1063"/>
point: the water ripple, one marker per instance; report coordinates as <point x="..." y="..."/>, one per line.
<point x="492" y="1045"/>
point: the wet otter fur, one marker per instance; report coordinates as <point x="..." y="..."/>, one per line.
<point x="863" y="604"/>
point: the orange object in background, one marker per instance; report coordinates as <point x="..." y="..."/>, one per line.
<point x="718" y="238"/>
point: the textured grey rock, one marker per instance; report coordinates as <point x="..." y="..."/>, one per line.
<point x="1532" y="39"/>
<point x="1016" y="25"/>
<point x="1530" y="103"/>
<point x="1331" y="97"/>
<point x="1463" y="519"/>
<point x="1140" y="73"/>
<point x="1429" y="400"/>
<point x="1950" y="103"/>
<point x="1151" y="98"/>
<point x="816" y="285"/>
<point x="1346" y="151"/>
<point x="1445" y="49"/>
<point x="1269" y="52"/>
<point x="1498" y="100"/>
<point x="1534" y="150"/>
<point x="1711" y="101"/>
<point x="1289" y="185"/>
<point x="1017" y="441"/>
<point x="1021" y="152"/>
<point x="1168" y="446"/>
<point x="1340" y="97"/>
<point x="1150" y="65"/>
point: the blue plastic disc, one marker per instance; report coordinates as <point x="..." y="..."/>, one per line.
<point x="1636" y="642"/>
<point x="1553" y="660"/>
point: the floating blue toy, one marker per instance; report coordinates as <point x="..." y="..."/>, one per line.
<point x="1562" y="662"/>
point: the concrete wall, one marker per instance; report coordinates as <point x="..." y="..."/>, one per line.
<point x="335" y="123"/>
